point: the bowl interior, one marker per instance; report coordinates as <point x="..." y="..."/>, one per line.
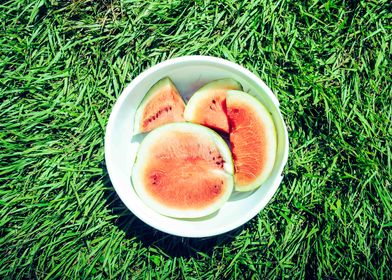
<point x="188" y="73"/>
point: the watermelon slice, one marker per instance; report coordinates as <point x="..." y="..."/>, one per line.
<point x="183" y="170"/>
<point x="207" y="105"/>
<point x="162" y="104"/>
<point x="253" y="140"/>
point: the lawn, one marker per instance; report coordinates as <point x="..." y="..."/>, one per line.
<point x="63" y="64"/>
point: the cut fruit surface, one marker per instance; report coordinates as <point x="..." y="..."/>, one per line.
<point x="207" y="106"/>
<point x="253" y="140"/>
<point x="183" y="170"/>
<point x="162" y="104"/>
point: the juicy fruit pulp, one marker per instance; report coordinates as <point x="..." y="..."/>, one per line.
<point x="207" y="105"/>
<point x="162" y="104"/>
<point x="183" y="170"/>
<point x="252" y="138"/>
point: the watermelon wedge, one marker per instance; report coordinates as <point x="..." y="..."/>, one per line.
<point x="183" y="170"/>
<point x="207" y="106"/>
<point x="253" y="140"/>
<point x="161" y="105"/>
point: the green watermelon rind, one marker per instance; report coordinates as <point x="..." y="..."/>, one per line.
<point x="266" y="118"/>
<point x="154" y="136"/>
<point x="149" y="95"/>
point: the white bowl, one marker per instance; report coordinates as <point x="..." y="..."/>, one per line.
<point x="188" y="73"/>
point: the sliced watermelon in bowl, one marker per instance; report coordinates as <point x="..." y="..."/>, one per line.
<point x="121" y="144"/>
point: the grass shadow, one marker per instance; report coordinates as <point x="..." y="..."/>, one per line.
<point x="174" y="246"/>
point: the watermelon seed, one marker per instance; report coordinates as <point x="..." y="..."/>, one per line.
<point x="213" y="101"/>
<point x="213" y="158"/>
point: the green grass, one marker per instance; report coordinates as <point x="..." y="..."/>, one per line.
<point x="64" y="63"/>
